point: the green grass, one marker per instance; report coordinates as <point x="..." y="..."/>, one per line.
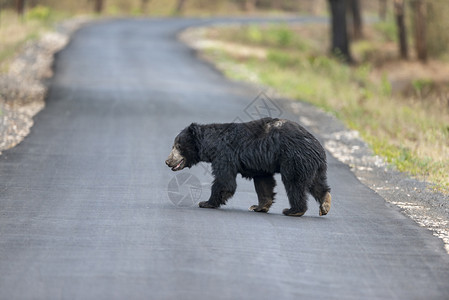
<point x="409" y="133"/>
<point x="388" y="29"/>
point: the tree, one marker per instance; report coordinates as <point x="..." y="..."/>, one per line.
<point x="180" y="6"/>
<point x="383" y="9"/>
<point x="277" y="4"/>
<point x="340" y="39"/>
<point x="20" y="7"/>
<point x="357" y="26"/>
<point x="437" y="24"/>
<point x="144" y="6"/>
<point x="420" y="12"/>
<point x="399" y="13"/>
<point x="250" y="5"/>
<point x="98" y="6"/>
<point x="32" y="3"/>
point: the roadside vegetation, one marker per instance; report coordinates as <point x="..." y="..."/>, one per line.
<point x="16" y="30"/>
<point x="401" y="108"/>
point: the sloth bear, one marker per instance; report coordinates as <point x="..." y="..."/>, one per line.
<point x="257" y="150"/>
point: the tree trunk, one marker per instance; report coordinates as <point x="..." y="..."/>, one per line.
<point x="32" y="3"/>
<point x="20" y="7"/>
<point x="277" y="4"/>
<point x="357" y="26"/>
<point x="420" y="12"/>
<point x="399" y="13"/>
<point x="340" y="40"/>
<point x="144" y="6"/>
<point x="250" y="5"/>
<point x="180" y="6"/>
<point x="98" y="6"/>
<point x="383" y="10"/>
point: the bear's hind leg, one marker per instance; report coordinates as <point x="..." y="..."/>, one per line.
<point x="320" y="190"/>
<point x="297" y="197"/>
<point x="264" y="188"/>
<point x="326" y="205"/>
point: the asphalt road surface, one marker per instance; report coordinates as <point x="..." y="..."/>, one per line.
<point x="88" y="209"/>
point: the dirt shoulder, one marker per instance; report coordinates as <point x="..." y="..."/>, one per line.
<point x="23" y="87"/>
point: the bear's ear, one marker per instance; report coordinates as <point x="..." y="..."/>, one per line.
<point x="193" y="129"/>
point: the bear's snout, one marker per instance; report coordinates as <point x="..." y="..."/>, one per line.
<point x="175" y="160"/>
<point x="170" y="161"/>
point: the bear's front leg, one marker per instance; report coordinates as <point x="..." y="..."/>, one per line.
<point x="222" y="190"/>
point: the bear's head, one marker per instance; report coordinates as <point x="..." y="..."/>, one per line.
<point x="184" y="152"/>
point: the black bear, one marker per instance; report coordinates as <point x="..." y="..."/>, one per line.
<point x="257" y="150"/>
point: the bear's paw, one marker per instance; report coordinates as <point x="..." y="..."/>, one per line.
<point x="326" y="206"/>
<point x="257" y="208"/>
<point x="293" y="213"/>
<point x="206" y="204"/>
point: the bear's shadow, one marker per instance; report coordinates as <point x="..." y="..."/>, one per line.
<point x="276" y="215"/>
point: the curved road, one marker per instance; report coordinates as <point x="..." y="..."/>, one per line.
<point x="85" y="211"/>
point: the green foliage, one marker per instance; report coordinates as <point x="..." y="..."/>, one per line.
<point x="385" y="85"/>
<point x="282" y="59"/>
<point x="15" y="32"/>
<point x="406" y="160"/>
<point x="322" y="64"/>
<point x="136" y="11"/>
<point x="420" y="85"/>
<point x="40" y="13"/>
<point x="112" y="10"/>
<point x="437" y="28"/>
<point x="388" y="29"/>
<point x="365" y="49"/>
<point x="279" y="36"/>
<point x="283" y="35"/>
<point x="254" y="34"/>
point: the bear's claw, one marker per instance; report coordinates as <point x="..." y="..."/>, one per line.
<point x="326" y="206"/>
<point x="256" y="208"/>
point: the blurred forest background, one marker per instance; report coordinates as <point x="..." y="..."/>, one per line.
<point x="421" y="22"/>
<point x="381" y="66"/>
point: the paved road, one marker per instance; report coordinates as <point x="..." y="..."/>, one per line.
<point x="85" y="211"/>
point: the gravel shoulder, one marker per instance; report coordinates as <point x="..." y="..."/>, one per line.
<point x="416" y="199"/>
<point x="23" y="87"/>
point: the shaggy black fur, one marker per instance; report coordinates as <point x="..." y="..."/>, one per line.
<point x="257" y="150"/>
